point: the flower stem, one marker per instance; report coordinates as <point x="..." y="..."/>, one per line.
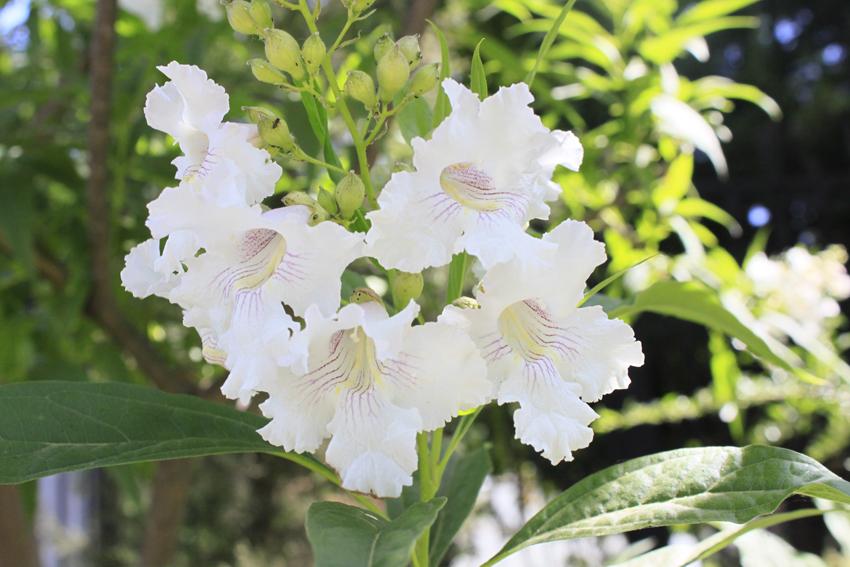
<point x="330" y="74"/>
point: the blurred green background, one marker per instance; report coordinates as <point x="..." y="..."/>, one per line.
<point x="770" y="80"/>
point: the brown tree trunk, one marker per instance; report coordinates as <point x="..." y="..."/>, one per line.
<point x="165" y="516"/>
<point x="17" y="546"/>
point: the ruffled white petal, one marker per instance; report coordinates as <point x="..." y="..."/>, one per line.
<point x="204" y="101"/>
<point x="440" y="373"/>
<point x="373" y="444"/>
<point x="141" y="276"/>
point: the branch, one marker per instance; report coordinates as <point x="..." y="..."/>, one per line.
<point x="167" y="508"/>
<point x="16" y="541"/>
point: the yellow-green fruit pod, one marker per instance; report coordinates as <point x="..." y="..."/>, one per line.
<point x="424" y="79"/>
<point x="298" y="198"/>
<point x="275" y="132"/>
<point x="283" y="52"/>
<point x="382" y="46"/>
<point x="313" y="51"/>
<point x="265" y="72"/>
<point x="409" y="45"/>
<point x="361" y="87"/>
<point x="261" y="13"/>
<point x="406" y="286"/>
<point x="328" y="202"/>
<point x="239" y="17"/>
<point x="318" y="215"/>
<point x="393" y="72"/>
<point x="363" y="295"/>
<point x="349" y="194"/>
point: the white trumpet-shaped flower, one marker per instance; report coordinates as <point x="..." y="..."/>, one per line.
<point x="190" y="108"/>
<point x="370" y="382"/>
<point x="544" y="352"/>
<point x="485" y="172"/>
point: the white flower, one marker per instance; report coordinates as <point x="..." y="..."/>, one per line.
<point x="371" y="382"/>
<point x="483" y="175"/>
<point x="544" y="352"/>
<point x="190" y="108"/>
<point x="252" y="263"/>
<point x="679" y="120"/>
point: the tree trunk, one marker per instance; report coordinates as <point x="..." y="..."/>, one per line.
<point x="17" y="546"/>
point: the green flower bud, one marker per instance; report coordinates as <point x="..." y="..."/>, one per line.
<point x="298" y="198"/>
<point x="466" y="303"/>
<point x="363" y="295"/>
<point x="382" y="46"/>
<point x="406" y="286"/>
<point x="349" y="194"/>
<point x="409" y="45"/>
<point x="357" y="6"/>
<point x="273" y="129"/>
<point x="313" y="52"/>
<point x="361" y="87"/>
<point x="283" y="52"/>
<point x="328" y="202"/>
<point x="393" y="72"/>
<point x="265" y="72"/>
<point x="239" y="17"/>
<point x="261" y="13"/>
<point x="424" y="79"/>
<point x="319" y="215"/>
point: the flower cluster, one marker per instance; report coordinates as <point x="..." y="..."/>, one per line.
<point x="262" y="286"/>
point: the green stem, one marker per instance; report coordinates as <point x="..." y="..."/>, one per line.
<point x="330" y="74"/>
<point x="300" y="155"/>
<point x="549" y="40"/>
<point x="462" y="428"/>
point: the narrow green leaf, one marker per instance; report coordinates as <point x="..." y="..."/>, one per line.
<point x="457" y="274"/>
<point x="478" y="77"/>
<point x="342" y="536"/>
<point x="696" y="303"/>
<point x="666" y="47"/>
<point x="609" y="280"/>
<point x="318" y="117"/>
<point x="442" y="107"/>
<point x="687" y="486"/>
<point x="548" y="40"/>
<point x="461" y="483"/>
<point x="708" y="9"/>
<point x="51" y="427"/>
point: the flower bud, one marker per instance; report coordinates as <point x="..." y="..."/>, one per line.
<point x="265" y="72"/>
<point x="349" y="194"/>
<point x="272" y="128"/>
<point x="328" y="202"/>
<point x="409" y="45"/>
<point x="298" y="198"/>
<point x="363" y="295"/>
<point x="313" y="52"/>
<point x="283" y="52"/>
<point x="466" y="303"/>
<point x="382" y="46"/>
<point x="424" y="79"/>
<point x="361" y="87"/>
<point x="393" y="72"/>
<point x="406" y="286"/>
<point x="261" y="13"/>
<point x="319" y="215"/>
<point x="357" y="6"/>
<point x="239" y="17"/>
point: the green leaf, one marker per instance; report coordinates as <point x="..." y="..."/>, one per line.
<point x="457" y="274"/>
<point x="609" y="280"/>
<point x="460" y="485"/>
<point x="342" y="536"/>
<point x="708" y="9"/>
<point x="442" y="107"/>
<point x="51" y="427"/>
<point x="478" y="77"/>
<point x="696" y="303"/>
<point x="666" y="47"/>
<point x="318" y="118"/>
<point x="675" y="183"/>
<point x="415" y="119"/>
<point x="687" y="486"/>
<point x="548" y="40"/>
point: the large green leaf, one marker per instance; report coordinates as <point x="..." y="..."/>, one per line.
<point x="694" y="302"/>
<point x="460" y="485"/>
<point x="687" y="486"/>
<point x="51" y="427"/>
<point x="343" y="536"/>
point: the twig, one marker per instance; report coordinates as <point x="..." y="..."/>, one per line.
<point x="16" y="541"/>
<point x="171" y="488"/>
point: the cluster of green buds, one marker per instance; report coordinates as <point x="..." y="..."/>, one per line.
<point x="249" y="18"/>
<point x="398" y="72"/>
<point x="340" y="204"/>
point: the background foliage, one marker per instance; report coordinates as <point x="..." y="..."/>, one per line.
<point x="698" y="216"/>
